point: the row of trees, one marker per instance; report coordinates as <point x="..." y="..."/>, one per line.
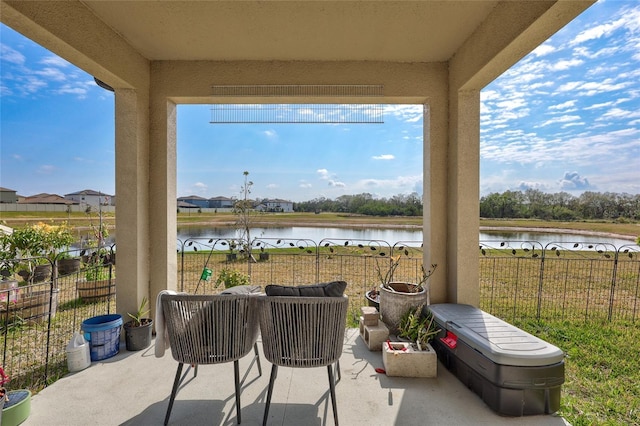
<point x="534" y="203"/>
<point x="531" y="203"/>
<point x="398" y="205"/>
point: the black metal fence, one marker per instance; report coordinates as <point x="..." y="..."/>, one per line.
<point x="518" y="280"/>
<point x="572" y="281"/>
<point x="42" y="303"/>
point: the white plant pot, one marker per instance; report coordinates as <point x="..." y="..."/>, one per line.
<point x="394" y="304"/>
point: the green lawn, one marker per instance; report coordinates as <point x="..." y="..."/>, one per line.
<point x="602" y="370"/>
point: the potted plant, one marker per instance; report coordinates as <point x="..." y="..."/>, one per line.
<point x="98" y="284"/>
<point x="396" y="297"/>
<point x="231" y="256"/>
<point x="264" y="256"/>
<point x="418" y="326"/>
<point x="231" y="278"/>
<point x="67" y="264"/>
<point x="40" y="242"/>
<point x="137" y="331"/>
<point x="413" y="357"/>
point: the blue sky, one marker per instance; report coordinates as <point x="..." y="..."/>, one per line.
<point x="565" y="118"/>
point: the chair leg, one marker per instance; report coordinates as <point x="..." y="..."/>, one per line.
<point x="236" y="373"/>
<point x="274" y="373"/>
<point x="332" y="389"/>
<point x="174" y="390"/>
<point x="255" y="349"/>
<point x="339" y="374"/>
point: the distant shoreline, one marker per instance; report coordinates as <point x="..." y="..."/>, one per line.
<point x="623" y="231"/>
<point x="558" y="231"/>
<point x="540" y="230"/>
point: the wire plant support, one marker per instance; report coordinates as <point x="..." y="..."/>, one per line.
<point x="332" y="104"/>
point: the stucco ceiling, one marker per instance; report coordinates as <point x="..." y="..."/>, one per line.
<point x="399" y="31"/>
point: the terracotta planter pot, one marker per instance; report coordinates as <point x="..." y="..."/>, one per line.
<point x="395" y="302"/>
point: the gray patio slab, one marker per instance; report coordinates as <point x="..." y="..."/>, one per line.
<point x="133" y="388"/>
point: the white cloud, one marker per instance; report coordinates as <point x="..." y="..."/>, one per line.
<point x="570" y="86"/>
<point x="544" y="49"/>
<point x="10" y="55"/>
<point x="619" y="113"/>
<point x="51" y="74"/>
<point x="270" y="133"/>
<point x="564" y="65"/>
<point x="4" y="90"/>
<point x="272" y="186"/>
<point x="597" y="32"/>
<point x="597" y="106"/>
<point x="400" y="184"/>
<point x="572" y="181"/>
<point x="323" y="173"/>
<point x="564" y="105"/>
<point x="330" y="178"/>
<point x="523" y="186"/>
<point x="68" y="90"/>
<point x="384" y="157"/>
<point x="54" y="61"/>
<point x="561" y="119"/>
<point x="406" y="113"/>
<point x="200" y="188"/>
<point x="33" y="85"/>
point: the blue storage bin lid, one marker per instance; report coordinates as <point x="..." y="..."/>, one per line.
<point x="102" y="322"/>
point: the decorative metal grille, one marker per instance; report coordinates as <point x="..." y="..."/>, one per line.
<point x="324" y="113"/>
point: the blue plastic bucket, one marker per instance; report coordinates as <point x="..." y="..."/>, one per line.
<point x="103" y="335"/>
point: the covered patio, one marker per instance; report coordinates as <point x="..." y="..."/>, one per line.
<point x="158" y="55"/>
<point x="133" y="388"/>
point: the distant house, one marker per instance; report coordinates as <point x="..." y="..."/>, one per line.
<point x="221" y="202"/>
<point x="45" y="198"/>
<point x="91" y="198"/>
<point x="195" y="200"/>
<point x="8" y="196"/>
<point x="275" y="205"/>
<point x="185" y="205"/>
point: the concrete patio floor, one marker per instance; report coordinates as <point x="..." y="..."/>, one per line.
<point x="133" y="388"/>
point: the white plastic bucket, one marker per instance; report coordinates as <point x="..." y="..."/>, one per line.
<point x="78" y="354"/>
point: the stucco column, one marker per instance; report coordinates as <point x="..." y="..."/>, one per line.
<point x="464" y="184"/>
<point x="434" y="199"/>
<point x="162" y="192"/>
<point x="132" y="189"/>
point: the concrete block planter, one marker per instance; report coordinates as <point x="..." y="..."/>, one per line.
<point x="403" y="359"/>
<point x="373" y="335"/>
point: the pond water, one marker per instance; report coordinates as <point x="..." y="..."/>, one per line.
<point x="389" y="235"/>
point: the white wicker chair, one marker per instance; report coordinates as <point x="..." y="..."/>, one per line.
<point x="303" y="332"/>
<point x="210" y="329"/>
